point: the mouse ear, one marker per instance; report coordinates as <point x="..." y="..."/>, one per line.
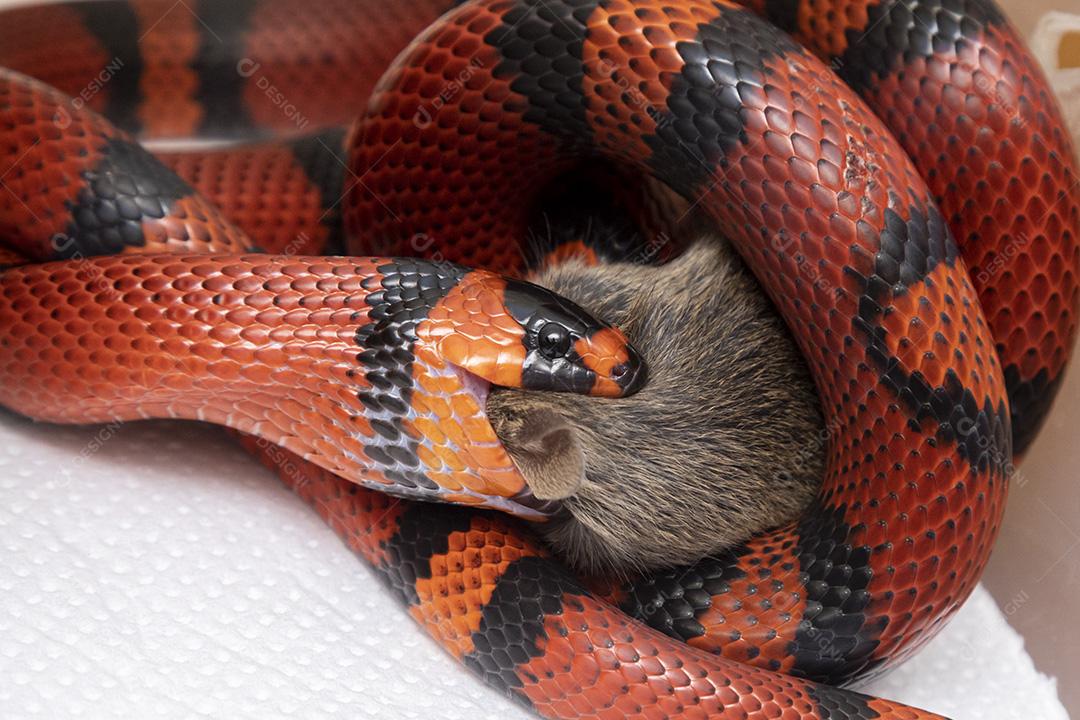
<point x="546" y="451"/>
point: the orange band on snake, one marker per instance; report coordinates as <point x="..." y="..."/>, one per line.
<point x="925" y="258"/>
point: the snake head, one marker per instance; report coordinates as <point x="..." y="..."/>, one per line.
<point x="436" y="338"/>
<point x="519" y="335"/>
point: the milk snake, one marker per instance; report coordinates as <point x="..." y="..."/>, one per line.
<point x="928" y="272"/>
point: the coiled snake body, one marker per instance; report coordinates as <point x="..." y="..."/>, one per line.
<point x="928" y="272"/>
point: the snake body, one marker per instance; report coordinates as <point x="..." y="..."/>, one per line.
<point x="920" y="241"/>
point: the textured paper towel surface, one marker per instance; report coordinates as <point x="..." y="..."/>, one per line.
<point x="154" y="570"/>
<point x="1051" y="29"/>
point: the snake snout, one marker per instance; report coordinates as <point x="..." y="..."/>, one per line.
<point x="617" y="367"/>
<point x="632" y="374"/>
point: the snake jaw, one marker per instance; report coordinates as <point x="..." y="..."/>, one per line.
<point x="456" y="443"/>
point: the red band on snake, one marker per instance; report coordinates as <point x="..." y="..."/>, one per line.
<point x="924" y="257"/>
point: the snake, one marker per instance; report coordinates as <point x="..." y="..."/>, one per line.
<point x="896" y="174"/>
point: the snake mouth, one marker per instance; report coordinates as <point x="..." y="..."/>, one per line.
<point x="546" y="508"/>
<point x="543" y="447"/>
<point x="498" y="483"/>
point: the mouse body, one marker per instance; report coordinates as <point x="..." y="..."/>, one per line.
<point x="725" y="439"/>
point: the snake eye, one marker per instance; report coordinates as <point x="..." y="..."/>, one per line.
<point x="554" y="341"/>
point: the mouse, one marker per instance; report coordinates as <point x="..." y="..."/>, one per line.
<point x="725" y="439"/>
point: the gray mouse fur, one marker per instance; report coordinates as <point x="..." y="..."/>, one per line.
<point x="723" y="442"/>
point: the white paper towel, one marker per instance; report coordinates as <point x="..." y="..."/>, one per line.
<point x="1045" y="42"/>
<point x="154" y="570"/>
